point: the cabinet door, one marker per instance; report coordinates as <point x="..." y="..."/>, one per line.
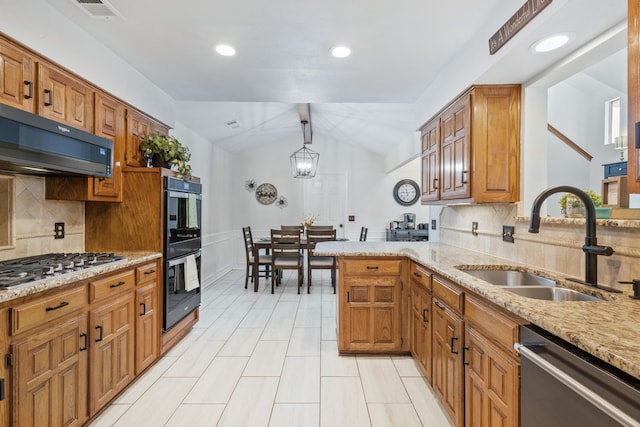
<point x="431" y="161"/>
<point x="17" y="85"/>
<point x="371" y="314"/>
<point x="455" y="151"/>
<point x="64" y="98"/>
<point x="421" y="329"/>
<point x="491" y="382"/>
<point x="448" y="380"/>
<point x="112" y="351"/>
<point x="109" y="123"/>
<point x="4" y="372"/>
<point x="138" y="127"/>
<point x="147" y="326"/>
<point x="50" y="376"/>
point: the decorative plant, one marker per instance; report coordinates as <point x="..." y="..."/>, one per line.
<point x="167" y="151"/>
<point x="575" y="202"/>
<point x="308" y="220"/>
<point x="250" y="185"/>
<point x="282" y="202"/>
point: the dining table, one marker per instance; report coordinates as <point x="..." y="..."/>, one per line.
<point x="265" y="244"/>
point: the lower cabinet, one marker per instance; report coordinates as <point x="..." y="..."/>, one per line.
<point x="50" y="375"/>
<point x="370" y="306"/>
<point x="448" y="377"/>
<point x="147" y="317"/>
<point x="421" y="319"/>
<point x="111" y="349"/>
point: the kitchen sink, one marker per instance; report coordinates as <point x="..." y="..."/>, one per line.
<point x="510" y="277"/>
<point x="551" y="293"/>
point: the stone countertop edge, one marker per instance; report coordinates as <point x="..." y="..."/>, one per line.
<point x="131" y="259"/>
<point x="608" y="329"/>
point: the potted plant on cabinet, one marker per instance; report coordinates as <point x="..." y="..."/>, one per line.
<point x="572" y="207"/>
<point x="166" y="151"/>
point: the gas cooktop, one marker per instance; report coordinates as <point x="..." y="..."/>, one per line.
<point x="18" y="271"/>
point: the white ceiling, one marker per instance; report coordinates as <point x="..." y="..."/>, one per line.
<point x="399" y="48"/>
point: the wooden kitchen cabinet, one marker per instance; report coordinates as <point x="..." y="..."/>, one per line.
<point x="448" y="342"/>
<point x="111" y="323"/>
<point x="17" y="76"/>
<point x="421" y="318"/>
<point x="492" y="367"/>
<point x="109" y="123"/>
<point x="147" y="316"/>
<point x="64" y="97"/>
<point x="370" y="305"/>
<point x="5" y="391"/>
<point x="50" y="375"/>
<point x="138" y="127"/>
<point x="471" y="148"/>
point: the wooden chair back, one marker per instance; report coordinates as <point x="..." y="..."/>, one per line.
<point x="363" y="234"/>
<point x="248" y="243"/>
<point x="315" y="236"/>
<point x="285" y="243"/>
<point x="320" y="227"/>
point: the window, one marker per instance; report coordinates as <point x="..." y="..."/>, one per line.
<point x="612" y="121"/>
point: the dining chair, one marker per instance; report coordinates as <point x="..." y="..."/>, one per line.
<point x="320" y="227"/>
<point x="292" y="227"/>
<point x="253" y="263"/>
<point x="315" y="262"/>
<point x="286" y="255"/>
<point x="363" y="234"/>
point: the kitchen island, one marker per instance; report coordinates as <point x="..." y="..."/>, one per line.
<point x="606" y="329"/>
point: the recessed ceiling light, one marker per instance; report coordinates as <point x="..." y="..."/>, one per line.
<point x="225" y="50"/>
<point x="340" y="51"/>
<point x="550" y="43"/>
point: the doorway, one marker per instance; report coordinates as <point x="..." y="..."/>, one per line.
<point x="325" y="196"/>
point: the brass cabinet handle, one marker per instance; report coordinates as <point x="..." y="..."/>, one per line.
<point x="435" y="183"/>
<point x="425" y="312"/>
<point x="99" y="327"/>
<point x="117" y="285"/>
<point x="369" y="267"/>
<point x="465" y="177"/>
<point x="150" y="271"/>
<point x="144" y="309"/>
<point x="418" y="275"/>
<point x="439" y="304"/>
<point x="464" y="355"/>
<point x="62" y="304"/>
<point x="348" y="297"/>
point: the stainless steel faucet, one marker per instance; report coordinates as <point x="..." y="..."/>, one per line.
<point x="591" y="247"/>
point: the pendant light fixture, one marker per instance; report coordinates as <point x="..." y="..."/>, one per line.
<point x="304" y="162"/>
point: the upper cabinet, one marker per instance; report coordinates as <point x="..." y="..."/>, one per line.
<point x="17" y="71"/>
<point x="138" y="127"/>
<point x="471" y="148"/>
<point x="64" y="98"/>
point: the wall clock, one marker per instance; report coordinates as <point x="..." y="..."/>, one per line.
<point x="406" y="192"/>
<point x="266" y="193"/>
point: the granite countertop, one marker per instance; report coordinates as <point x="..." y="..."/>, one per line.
<point x="609" y="330"/>
<point x="26" y="289"/>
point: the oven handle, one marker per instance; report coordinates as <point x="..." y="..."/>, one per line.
<point x="182" y="259"/>
<point x="590" y="396"/>
<point x="180" y="195"/>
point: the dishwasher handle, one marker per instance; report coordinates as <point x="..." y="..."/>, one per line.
<point x="593" y="398"/>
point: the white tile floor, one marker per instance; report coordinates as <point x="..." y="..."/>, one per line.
<point x="257" y="359"/>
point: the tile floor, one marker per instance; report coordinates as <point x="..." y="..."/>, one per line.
<point x="257" y="359"/>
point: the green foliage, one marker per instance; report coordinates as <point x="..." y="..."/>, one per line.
<point x="168" y="151"/>
<point x="576" y="202"/>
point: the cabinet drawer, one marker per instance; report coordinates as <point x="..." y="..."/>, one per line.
<point x="43" y="310"/>
<point x="448" y="293"/>
<point x="111" y="285"/>
<point x="421" y="275"/>
<point x="372" y="266"/>
<point x="147" y="273"/>
<point x="502" y="329"/>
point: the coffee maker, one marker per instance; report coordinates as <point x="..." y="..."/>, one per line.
<point x="409" y="221"/>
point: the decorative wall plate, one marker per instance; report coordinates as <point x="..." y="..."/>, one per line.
<point x="266" y="193"/>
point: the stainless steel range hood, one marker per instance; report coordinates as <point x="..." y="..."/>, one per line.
<point x="30" y="144"/>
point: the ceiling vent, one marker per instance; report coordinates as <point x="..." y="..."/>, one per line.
<point x="232" y="124"/>
<point x="97" y="9"/>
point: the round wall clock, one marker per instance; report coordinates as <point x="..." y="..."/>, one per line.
<point x="266" y="193"/>
<point x="406" y="192"/>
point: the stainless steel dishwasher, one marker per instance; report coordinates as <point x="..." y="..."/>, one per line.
<point x="563" y="386"/>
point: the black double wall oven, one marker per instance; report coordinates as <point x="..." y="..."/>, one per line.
<point x="182" y="244"/>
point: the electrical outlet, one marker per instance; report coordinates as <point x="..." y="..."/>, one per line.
<point x="352" y="218"/>
<point x="433" y="224"/>
<point x="474" y="228"/>
<point x="507" y="233"/>
<point x="58" y="229"/>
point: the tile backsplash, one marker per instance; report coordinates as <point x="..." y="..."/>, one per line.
<point x="33" y="217"/>
<point x="558" y="246"/>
